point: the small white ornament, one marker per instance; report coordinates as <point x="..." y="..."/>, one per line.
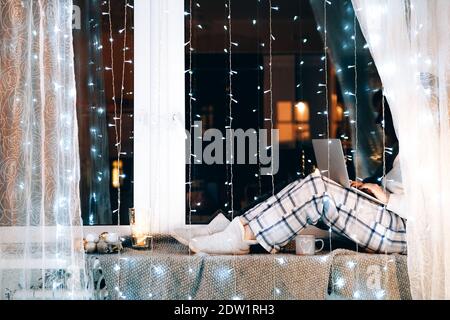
<point x="92" y="237"/>
<point x="102" y="247"/>
<point x="112" y="238"/>
<point x="90" y="247"/>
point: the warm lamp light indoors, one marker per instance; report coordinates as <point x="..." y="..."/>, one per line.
<point x="339" y="113"/>
<point x="117" y="173"/>
<point x="302" y="111"/>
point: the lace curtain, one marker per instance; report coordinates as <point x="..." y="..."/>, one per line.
<point x="410" y="45"/>
<point x="41" y="253"/>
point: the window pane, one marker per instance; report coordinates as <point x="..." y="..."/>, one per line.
<point x="296" y="72"/>
<point x="287" y="132"/>
<point x="99" y="128"/>
<point x="284" y="111"/>
<point x="318" y="88"/>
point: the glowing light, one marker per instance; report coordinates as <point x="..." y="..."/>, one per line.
<point x="223" y="273"/>
<point x="380" y="294"/>
<point x="351" y="264"/>
<point x="159" y="270"/>
<point x="340" y="283"/>
<point x="302" y="107"/>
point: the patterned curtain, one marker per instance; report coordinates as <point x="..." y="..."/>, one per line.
<point x="41" y="252"/>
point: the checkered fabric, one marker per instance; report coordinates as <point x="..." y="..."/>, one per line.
<point x="276" y="221"/>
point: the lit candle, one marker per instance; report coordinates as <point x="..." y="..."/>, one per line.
<point x="139" y="230"/>
<point x="141" y="241"/>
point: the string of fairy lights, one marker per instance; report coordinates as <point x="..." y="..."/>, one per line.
<point x="230" y="105"/>
<point x="270" y="91"/>
<point x="383" y="116"/>
<point x="191" y="99"/>
<point x="271" y="39"/>
<point x="302" y="169"/>
<point x="229" y="115"/>
<point x="118" y="108"/>
<point x="327" y="102"/>
<point x="355" y="52"/>
<point x="231" y="101"/>
<point x="257" y="110"/>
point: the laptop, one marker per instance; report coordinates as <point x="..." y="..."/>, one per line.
<point x="331" y="163"/>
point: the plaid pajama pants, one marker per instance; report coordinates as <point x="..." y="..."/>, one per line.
<point x="276" y="221"/>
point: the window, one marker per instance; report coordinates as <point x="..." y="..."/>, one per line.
<point x="313" y="92"/>
<point x="156" y="117"/>
<point x="293" y="121"/>
<point x="298" y="98"/>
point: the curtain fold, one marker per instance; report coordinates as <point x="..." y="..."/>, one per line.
<point x="41" y="251"/>
<point x="410" y="45"/>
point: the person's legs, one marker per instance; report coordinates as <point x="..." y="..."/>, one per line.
<point x="365" y="222"/>
<point x="276" y="221"/>
<point x="368" y="224"/>
<point x="237" y="237"/>
<point x="240" y="234"/>
<point x="261" y="207"/>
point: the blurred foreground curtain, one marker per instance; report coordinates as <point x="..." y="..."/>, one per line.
<point x="41" y="253"/>
<point x="410" y="45"/>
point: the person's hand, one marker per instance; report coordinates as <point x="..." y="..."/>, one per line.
<point x="376" y="191"/>
<point x="356" y="184"/>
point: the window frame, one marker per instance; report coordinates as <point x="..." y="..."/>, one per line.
<point x="149" y="16"/>
<point x="163" y="191"/>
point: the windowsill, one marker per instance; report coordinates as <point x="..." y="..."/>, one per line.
<point x="169" y="264"/>
<point x="11" y="235"/>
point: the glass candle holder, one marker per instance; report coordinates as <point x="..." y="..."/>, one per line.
<point x="139" y="239"/>
<point x="142" y="242"/>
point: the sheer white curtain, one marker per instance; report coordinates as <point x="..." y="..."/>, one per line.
<point x="160" y="138"/>
<point x="410" y="45"/>
<point x="41" y="253"/>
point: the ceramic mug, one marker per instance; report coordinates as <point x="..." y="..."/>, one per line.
<point x="306" y="245"/>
